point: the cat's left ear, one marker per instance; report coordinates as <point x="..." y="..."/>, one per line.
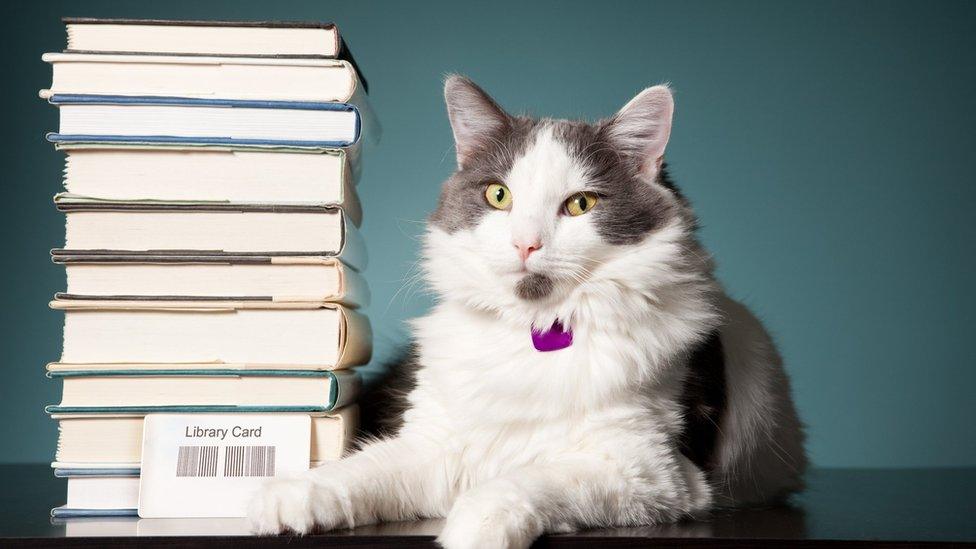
<point x="642" y="127"/>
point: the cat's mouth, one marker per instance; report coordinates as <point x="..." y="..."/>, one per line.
<point x="534" y="286"/>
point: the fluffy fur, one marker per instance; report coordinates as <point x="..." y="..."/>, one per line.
<point x="507" y="442"/>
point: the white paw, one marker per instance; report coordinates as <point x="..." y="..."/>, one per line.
<point x="478" y="524"/>
<point x="294" y="504"/>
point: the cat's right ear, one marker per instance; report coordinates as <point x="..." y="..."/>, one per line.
<point x="642" y="127"/>
<point x="475" y="117"/>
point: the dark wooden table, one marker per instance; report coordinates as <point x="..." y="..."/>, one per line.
<point x="841" y="508"/>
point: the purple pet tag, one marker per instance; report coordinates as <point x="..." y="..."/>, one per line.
<point x="553" y="339"/>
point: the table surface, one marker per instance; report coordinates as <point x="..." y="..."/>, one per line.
<point x="841" y="507"/>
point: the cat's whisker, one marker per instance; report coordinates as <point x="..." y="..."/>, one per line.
<point x="415" y="276"/>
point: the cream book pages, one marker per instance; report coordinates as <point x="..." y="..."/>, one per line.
<point x="242" y="229"/>
<point x="106" y="391"/>
<point x="224" y="241"/>
<point x="276" y="278"/>
<point x="311" y="336"/>
<point x="250" y="38"/>
<point x="109" y="492"/>
<point x="210" y="175"/>
<point x="156" y="527"/>
<point x="205" y="77"/>
<point x="242" y="122"/>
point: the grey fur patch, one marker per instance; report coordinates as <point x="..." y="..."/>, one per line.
<point x="628" y="208"/>
<point x="462" y="203"/>
<point x="534" y="286"/>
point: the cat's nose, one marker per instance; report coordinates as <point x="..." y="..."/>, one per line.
<point x="526" y="247"/>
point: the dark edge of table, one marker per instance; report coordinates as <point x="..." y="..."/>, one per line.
<point x="561" y="541"/>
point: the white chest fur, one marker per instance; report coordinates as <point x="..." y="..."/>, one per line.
<point x="481" y="372"/>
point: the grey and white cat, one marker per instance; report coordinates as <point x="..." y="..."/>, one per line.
<point x="669" y="400"/>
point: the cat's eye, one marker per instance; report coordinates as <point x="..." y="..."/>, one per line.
<point x="498" y="196"/>
<point x="580" y="203"/>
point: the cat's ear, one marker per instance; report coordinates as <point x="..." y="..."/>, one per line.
<point x="474" y="115"/>
<point x="642" y="127"/>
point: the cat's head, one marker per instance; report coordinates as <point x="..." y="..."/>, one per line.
<point x="539" y="208"/>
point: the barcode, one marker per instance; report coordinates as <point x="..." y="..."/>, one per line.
<point x="239" y="461"/>
<point x="196" y="461"/>
<point x="249" y="461"/>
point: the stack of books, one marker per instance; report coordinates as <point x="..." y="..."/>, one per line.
<point x="211" y="247"/>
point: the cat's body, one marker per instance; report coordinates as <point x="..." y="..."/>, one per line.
<point x="671" y="399"/>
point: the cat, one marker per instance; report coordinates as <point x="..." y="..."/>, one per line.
<point x="581" y="366"/>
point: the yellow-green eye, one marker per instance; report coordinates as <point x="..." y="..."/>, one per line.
<point x="498" y="196"/>
<point x="580" y="203"/>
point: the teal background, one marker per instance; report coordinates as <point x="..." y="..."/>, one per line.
<point x="828" y="148"/>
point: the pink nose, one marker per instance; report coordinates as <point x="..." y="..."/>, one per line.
<point x="525" y="249"/>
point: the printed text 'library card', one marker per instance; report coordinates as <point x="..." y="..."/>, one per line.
<point x="209" y="465"/>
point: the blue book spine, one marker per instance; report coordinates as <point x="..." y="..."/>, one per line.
<point x="87" y="99"/>
<point x="69" y="512"/>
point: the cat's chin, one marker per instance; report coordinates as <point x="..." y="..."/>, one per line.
<point x="534" y="287"/>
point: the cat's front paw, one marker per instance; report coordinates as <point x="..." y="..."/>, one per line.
<point x="485" y="523"/>
<point x="294" y="504"/>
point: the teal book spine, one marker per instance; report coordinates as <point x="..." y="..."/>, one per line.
<point x="343" y="390"/>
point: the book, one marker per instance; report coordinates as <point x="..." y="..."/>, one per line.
<point x="228" y="175"/>
<point x="91" y="443"/>
<point x="244" y="38"/>
<point x="309" y="279"/>
<point x="206" y="228"/>
<point x="105" y="492"/>
<point x="313" y="336"/>
<point x="108" y="118"/>
<point x="202" y="391"/>
<point x="88" y="526"/>
<point x="204" y="77"/>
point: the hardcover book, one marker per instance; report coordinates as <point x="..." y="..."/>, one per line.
<point x="325" y="177"/>
<point x="100" y="527"/>
<point x="152" y="228"/>
<point x="312" y="336"/>
<point x="196" y="76"/>
<point x="190" y="37"/>
<point x="143" y="391"/>
<point x="215" y="278"/>
<point x="99" y="492"/>
<point x="175" y="120"/>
